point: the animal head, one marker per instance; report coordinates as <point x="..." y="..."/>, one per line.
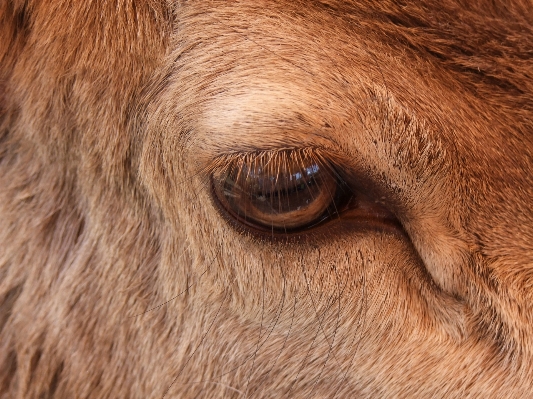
<point x="266" y="199"/>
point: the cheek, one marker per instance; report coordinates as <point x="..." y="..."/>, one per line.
<point x="340" y="272"/>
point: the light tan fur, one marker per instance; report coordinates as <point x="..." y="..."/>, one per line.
<point x="120" y="278"/>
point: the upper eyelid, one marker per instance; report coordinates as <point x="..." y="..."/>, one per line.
<point x="382" y="116"/>
<point x="392" y="135"/>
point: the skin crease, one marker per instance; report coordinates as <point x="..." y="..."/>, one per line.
<point x="121" y="277"/>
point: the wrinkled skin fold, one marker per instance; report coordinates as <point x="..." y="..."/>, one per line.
<point x="122" y="274"/>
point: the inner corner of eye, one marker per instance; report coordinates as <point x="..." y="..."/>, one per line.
<point x="276" y="190"/>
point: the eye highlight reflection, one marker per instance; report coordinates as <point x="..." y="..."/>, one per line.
<point x="279" y="191"/>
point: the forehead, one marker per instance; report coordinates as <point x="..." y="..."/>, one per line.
<point x="472" y="39"/>
<point x="307" y="65"/>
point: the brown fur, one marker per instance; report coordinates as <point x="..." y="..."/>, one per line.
<point x="112" y="114"/>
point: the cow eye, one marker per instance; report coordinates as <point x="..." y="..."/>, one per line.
<point x="282" y="191"/>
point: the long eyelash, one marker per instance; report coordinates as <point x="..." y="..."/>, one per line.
<point x="275" y="159"/>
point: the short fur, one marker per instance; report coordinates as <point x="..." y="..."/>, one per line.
<point x="119" y="278"/>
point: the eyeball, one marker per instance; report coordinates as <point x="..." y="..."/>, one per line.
<point x="280" y="191"/>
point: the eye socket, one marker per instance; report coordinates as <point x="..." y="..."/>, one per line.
<point x="279" y="191"/>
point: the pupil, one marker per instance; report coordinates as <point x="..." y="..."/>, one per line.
<point x="279" y="192"/>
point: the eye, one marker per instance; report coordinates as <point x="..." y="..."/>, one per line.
<point x="279" y="191"/>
